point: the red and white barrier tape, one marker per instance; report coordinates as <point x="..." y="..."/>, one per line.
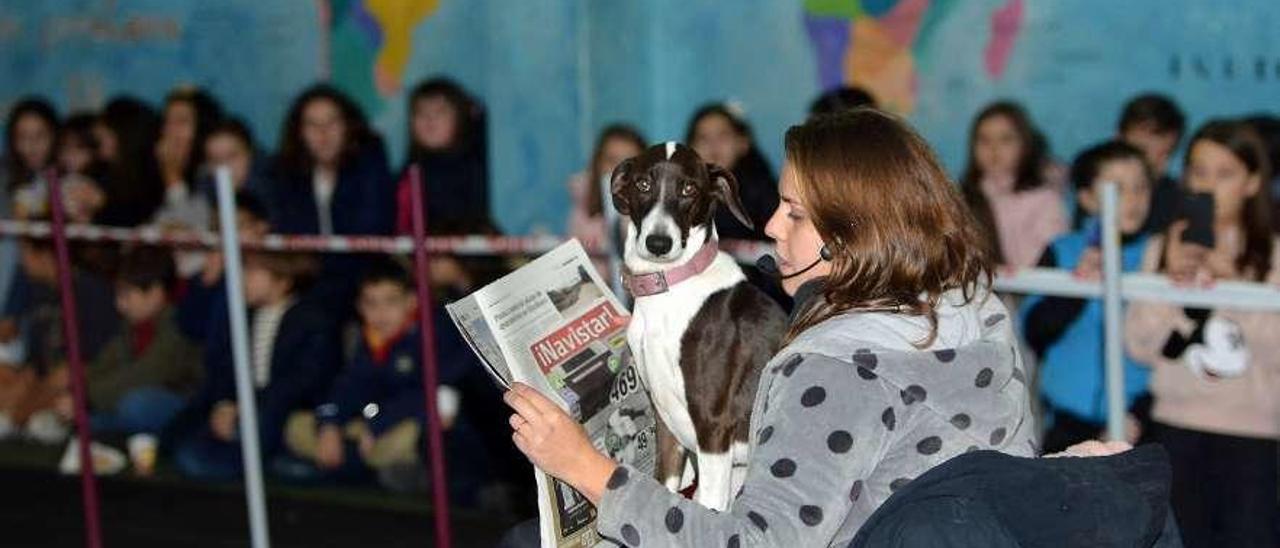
<point x="458" y="245"/>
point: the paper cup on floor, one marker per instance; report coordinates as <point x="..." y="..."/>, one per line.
<point x="142" y="452"/>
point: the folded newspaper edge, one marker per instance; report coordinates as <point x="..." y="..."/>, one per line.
<point x="554" y="325"/>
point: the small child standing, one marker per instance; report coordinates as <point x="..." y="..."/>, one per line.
<point x="1154" y="124"/>
<point x="1066" y="333"/>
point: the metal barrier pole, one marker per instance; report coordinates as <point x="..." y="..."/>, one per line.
<point x="1113" y="312"/>
<point x="430" y="378"/>
<point x="71" y="330"/>
<point x="248" y="409"/>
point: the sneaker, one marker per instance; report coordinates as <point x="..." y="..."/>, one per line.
<point x="107" y="460"/>
<point x="47" y="427"/>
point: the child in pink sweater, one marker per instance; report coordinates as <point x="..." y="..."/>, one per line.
<point x="1216" y="373"/>
<point x="1007" y="185"/>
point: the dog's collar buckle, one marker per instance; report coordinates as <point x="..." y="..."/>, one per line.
<point x="654" y="283"/>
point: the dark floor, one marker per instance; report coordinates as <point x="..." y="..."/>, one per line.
<point x="40" y="508"/>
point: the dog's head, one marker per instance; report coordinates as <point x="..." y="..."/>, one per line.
<point x="669" y="196"/>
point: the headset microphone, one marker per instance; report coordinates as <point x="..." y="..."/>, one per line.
<point x="769" y="266"/>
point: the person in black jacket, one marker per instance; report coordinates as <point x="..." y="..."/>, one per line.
<point x="294" y="355"/>
<point x="332" y="178"/>
<point x="448" y="143"/>
<point x="723" y="138"/>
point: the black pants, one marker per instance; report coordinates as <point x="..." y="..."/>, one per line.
<point x="1224" y="487"/>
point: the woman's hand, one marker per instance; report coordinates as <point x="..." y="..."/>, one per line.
<point x="555" y="442"/>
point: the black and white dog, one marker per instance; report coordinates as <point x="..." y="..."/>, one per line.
<point x="700" y="332"/>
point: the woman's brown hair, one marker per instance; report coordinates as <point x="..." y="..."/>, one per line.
<point x="898" y="230"/>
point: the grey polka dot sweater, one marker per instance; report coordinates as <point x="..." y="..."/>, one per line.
<point x="847" y="413"/>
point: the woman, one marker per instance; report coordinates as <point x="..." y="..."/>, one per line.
<point x="332" y="178"/>
<point x="447" y="143"/>
<point x="332" y="175"/>
<point x="189" y="116"/>
<point x="723" y="138"/>
<point x="898" y="357"/>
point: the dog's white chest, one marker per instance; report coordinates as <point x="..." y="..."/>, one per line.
<point x="657" y="328"/>
<point x="657" y="332"/>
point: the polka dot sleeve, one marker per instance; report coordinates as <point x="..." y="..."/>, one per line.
<point x="820" y="433"/>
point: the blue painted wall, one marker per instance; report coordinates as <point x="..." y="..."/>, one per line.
<point x="553" y="72"/>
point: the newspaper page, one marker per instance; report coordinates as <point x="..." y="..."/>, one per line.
<point x="555" y="326"/>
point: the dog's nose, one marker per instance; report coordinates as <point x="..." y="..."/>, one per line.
<point x="658" y="244"/>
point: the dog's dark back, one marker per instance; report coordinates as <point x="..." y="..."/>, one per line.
<point x="727" y="344"/>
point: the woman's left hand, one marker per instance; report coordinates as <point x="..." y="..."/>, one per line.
<point x="556" y="443"/>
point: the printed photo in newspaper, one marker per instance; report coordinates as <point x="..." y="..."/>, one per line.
<point x="554" y="325"/>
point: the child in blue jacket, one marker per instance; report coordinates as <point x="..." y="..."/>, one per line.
<point x="1067" y="333"/>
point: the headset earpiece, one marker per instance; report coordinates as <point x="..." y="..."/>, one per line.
<point x="825" y="253"/>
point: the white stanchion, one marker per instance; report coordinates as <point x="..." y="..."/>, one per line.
<point x="1237" y="295"/>
<point x="1112" y="312"/>
<point x="246" y="402"/>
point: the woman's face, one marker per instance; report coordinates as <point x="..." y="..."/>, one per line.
<point x="997" y="147"/>
<point x="74" y="156"/>
<point x="323" y="131"/>
<point x="1212" y="168"/>
<point x="796" y="241"/>
<point x="225" y="149"/>
<point x="33" y="140"/>
<point x="716" y="141"/>
<point x="435" y="122"/>
<point x="108" y="145"/>
<point x="179" y="124"/>
<point x="614" y="151"/>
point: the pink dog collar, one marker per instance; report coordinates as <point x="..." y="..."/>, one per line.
<point x="653" y="283"/>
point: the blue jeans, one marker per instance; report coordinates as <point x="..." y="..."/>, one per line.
<point x="204" y="457"/>
<point x="141" y="411"/>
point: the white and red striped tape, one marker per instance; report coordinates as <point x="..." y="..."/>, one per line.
<point x="475" y="245"/>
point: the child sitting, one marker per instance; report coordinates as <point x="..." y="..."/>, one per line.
<point x="376" y="412"/>
<point x="1066" y="333"/>
<point x="294" y="355"/>
<point x="143" y="376"/>
<point x="33" y="373"/>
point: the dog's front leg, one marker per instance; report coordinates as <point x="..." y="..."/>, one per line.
<point x="671" y="457"/>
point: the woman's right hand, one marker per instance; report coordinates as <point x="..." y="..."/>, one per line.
<point x="1187" y="264"/>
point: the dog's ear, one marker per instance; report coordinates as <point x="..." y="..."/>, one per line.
<point x="618" y="182"/>
<point x="725" y="188"/>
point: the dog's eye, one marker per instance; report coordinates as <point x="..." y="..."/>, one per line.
<point x="689" y="189"/>
<point x="643" y="185"/>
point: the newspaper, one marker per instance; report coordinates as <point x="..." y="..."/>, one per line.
<point x="555" y="326"/>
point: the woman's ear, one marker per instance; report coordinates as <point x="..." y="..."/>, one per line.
<point x="1252" y="185"/>
<point x="618" y="183"/>
<point x="725" y="189"/>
